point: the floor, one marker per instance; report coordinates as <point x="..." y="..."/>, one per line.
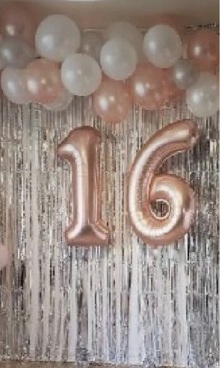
<point x="58" y="365"/>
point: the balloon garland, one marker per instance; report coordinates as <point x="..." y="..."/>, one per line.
<point x="50" y="62"/>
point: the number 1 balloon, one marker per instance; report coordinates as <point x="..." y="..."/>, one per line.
<point x="146" y="187"/>
<point x="81" y="149"/>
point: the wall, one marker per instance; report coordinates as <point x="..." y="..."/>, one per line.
<point x="124" y="304"/>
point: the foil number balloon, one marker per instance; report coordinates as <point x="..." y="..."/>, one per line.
<point x="145" y="187"/>
<point x="81" y="149"/>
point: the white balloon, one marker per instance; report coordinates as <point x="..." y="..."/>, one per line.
<point x="202" y="98"/>
<point x="57" y="37"/>
<point x="128" y="32"/>
<point x="184" y="73"/>
<point x="118" y="59"/>
<point x="81" y="74"/>
<point x="91" y="44"/>
<point x="162" y="46"/>
<point x="14" y="86"/>
<point x="15" y="52"/>
<point x="4" y="256"/>
<point x="61" y="103"/>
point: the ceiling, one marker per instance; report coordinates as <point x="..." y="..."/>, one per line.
<point x="98" y="13"/>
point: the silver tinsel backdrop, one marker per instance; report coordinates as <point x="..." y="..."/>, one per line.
<point x="127" y="303"/>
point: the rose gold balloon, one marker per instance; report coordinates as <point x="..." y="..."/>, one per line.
<point x="151" y="88"/>
<point x="18" y="19"/>
<point x="146" y="87"/>
<point x="145" y="187"/>
<point x="112" y="101"/>
<point x="203" y="49"/>
<point x="169" y="90"/>
<point x="43" y="81"/>
<point x="81" y="150"/>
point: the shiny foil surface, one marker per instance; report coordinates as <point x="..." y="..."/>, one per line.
<point x="124" y="304"/>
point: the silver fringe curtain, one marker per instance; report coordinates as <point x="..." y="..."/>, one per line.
<point x="125" y="304"/>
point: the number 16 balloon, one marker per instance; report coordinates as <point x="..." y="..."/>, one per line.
<point x="81" y="149"/>
<point x="146" y="187"/>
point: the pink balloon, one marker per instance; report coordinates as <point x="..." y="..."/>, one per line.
<point x="61" y="103"/>
<point x="151" y="88"/>
<point x="112" y="101"/>
<point x="145" y="86"/>
<point x="4" y="256"/>
<point x="171" y="92"/>
<point x="203" y="49"/>
<point x="18" y="19"/>
<point x="43" y="81"/>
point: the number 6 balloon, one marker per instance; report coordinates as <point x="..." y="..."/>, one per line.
<point x="145" y="187"/>
<point x="81" y="149"/>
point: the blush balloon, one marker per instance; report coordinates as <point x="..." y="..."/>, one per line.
<point x="17" y="19"/>
<point x="152" y="88"/>
<point x="43" y="81"/>
<point x="171" y="92"/>
<point x="146" y="87"/>
<point x="61" y="103"/>
<point x="112" y="101"/>
<point x="203" y="49"/>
